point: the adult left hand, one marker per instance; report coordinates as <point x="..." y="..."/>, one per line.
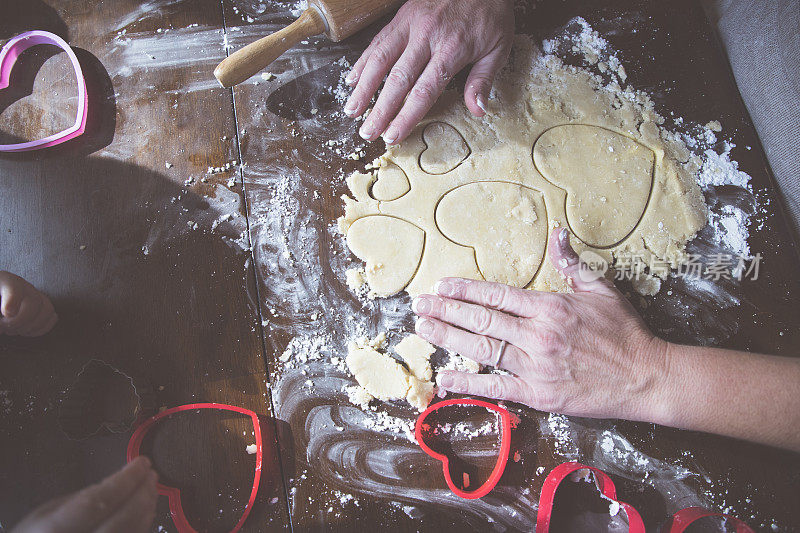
<point x="585" y="353"/>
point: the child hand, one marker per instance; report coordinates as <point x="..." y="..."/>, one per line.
<point x="23" y="309"/>
<point x="124" y="501"/>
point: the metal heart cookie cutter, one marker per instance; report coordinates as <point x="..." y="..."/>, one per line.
<point x="8" y="57"/>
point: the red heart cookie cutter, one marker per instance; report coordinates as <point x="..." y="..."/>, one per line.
<point x="604" y="484"/>
<point x="677" y="524"/>
<point x="173" y="493"/>
<point x="8" y="57"/>
<point x="502" y="459"/>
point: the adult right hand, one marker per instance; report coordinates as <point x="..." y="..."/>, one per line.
<point x="124" y="501"/>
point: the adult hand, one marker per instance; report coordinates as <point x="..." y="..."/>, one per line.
<point x="585" y="353"/>
<point x="23" y="309"/>
<point x="421" y="49"/>
<point x="124" y="501"/>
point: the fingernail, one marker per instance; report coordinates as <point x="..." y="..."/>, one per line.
<point x="421" y="305"/>
<point x="366" y="131"/>
<point x="444" y="288"/>
<point x="481" y="103"/>
<point x="424" y="327"/>
<point x="350" y="108"/>
<point x="563" y="237"/>
<point x="446" y="381"/>
<point x="390" y="135"/>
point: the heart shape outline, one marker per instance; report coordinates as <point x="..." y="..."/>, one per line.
<point x="502" y="458"/>
<point x="604" y="485"/>
<point x="174" y="493"/>
<point x="8" y="58"/>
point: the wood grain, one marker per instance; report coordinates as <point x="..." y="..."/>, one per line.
<point x="110" y="237"/>
<point x="346" y="17"/>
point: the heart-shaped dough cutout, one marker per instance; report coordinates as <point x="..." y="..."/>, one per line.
<point x="445" y="148"/>
<point x="606" y="175"/>
<point x="391" y="183"/>
<point x="173" y="493"/>
<point x="505" y="223"/>
<point x="392" y="249"/>
<point x="8" y="57"/>
<point x="421" y="429"/>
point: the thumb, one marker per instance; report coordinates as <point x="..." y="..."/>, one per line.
<point x="567" y="261"/>
<point x="479" y="81"/>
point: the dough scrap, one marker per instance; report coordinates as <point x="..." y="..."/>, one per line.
<point x="547" y="135"/>
<point x="416" y="352"/>
<point x="355" y="278"/>
<point x="381" y="376"/>
<point x="384" y="378"/>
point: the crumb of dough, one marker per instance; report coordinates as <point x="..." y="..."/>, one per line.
<point x="251" y="449"/>
<point x="646" y="285"/>
<point x="359" y="396"/>
<point x="355" y="278"/>
<point x="714" y="125"/>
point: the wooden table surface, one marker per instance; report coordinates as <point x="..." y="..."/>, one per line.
<point x="176" y="283"/>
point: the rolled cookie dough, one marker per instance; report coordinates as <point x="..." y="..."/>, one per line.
<point x="385" y="379"/>
<point x="477" y="198"/>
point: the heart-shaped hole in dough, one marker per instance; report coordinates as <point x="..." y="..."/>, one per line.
<point x="505" y="223"/>
<point x="607" y="176"/>
<point x="445" y="148"/>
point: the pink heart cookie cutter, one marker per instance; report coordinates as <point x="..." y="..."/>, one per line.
<point x="8" y="57"/>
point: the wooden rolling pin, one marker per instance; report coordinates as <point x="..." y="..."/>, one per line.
<point x="338" y="19"/>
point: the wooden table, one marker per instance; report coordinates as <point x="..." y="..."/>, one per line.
<point x="171" y="293"/>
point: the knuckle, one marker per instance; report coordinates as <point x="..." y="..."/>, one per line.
<point x="482" y="320"/>
<point x="442" y="71"/>
<point x="484" y="350"/>
<point x="381" y="55"/>
<point x="376" y="114"/>
<point x="400" y="78"/>
<point x="497" y="295"/>
<point x="555" y="308"/>
<point x="453" y="46"/>
<point x="550" y="342"/>
<point x="496" y="388"/>
<point x="423" y="93"/>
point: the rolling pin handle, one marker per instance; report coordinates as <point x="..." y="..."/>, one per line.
<point x="256" y="56"/>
